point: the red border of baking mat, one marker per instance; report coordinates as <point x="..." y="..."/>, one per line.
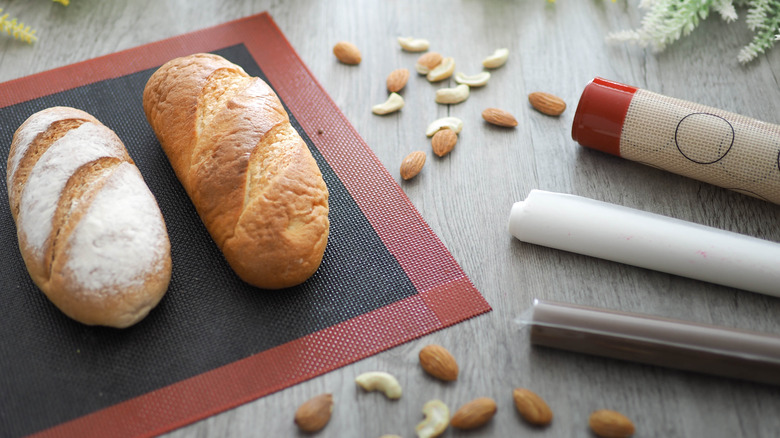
<point x="445" y="294"/>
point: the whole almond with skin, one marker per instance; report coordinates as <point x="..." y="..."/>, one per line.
<point x="435" y="359"/>
<point x="474" y="413"/>
<point x="499" y="117"/>
<point x="547" y="103"/>
<point x="442" y="143"/>
<point x="347" y="53"/>
<point x="531" y="407"/>
<point x="610" y="424"/>
<point x="396" y="80"/>
<point x="315" y="413"/>
<point x="412" y="164"/>
<point x="427" y="62"/>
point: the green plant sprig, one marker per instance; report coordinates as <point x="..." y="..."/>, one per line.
<point x="17" y="29"/>
<point x="666" y="21"/>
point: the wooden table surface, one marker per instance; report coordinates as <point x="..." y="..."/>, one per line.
<point x="466" y="197"/>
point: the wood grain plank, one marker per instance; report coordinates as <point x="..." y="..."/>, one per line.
<point x="466" y="196"/>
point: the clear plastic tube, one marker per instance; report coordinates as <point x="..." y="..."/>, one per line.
<point x="657" y="341"/>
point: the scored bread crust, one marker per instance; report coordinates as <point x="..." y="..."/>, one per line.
<point x="251" y="177"/>
<point x="90" y="232"/>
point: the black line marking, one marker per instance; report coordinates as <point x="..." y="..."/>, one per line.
<point x="677" y="143"/>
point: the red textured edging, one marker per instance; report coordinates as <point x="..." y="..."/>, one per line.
<point x="446" y="295"/>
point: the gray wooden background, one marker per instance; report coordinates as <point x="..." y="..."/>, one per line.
<point x="466" y="197"/>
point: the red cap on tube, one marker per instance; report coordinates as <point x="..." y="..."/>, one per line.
<point x="598" y="122"/>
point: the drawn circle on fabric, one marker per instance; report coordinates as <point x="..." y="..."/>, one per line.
<point x="704" y="138"/>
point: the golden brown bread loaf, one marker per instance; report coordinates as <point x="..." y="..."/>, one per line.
<point x="90" y="231"/>
<point x="251" y="177"/>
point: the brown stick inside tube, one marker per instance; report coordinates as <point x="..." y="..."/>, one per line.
<point x="657" y="341"/>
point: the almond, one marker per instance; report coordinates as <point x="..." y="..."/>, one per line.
<point x="435" y="359"/>
<point x="428" y="62"/>
<point x="499" y="117"/>
<point x="547" y="103"/>
<point x="474" y="413"/>
<point x="347" y="53"/>
<point x="531" y="407"/>
<point x="412" y="164"/>
<point x="396" y="80"/>
<point x="610" y="424"/>
<point x="442" y="143"/>
<point x="314" y="414"/>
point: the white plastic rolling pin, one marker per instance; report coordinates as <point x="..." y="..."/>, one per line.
<point x="647" y="240"/>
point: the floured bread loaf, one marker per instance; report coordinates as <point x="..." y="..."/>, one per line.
<point x="90" y="231"/>
<point x="251" y="177"/>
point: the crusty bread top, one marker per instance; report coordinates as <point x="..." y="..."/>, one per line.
<point x="81" y="206"/>
<point x="251" y="177"/>
<point x="187" y="99"/>
<point x="117" y="242"/>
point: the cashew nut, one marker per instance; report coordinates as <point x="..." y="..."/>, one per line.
<point x="422" y="69"/>
<point x="393" y="103"/>
<point x="443" y="70"/>
<point x="452" y="95"/>
<point x="497" y="59"/>
<point x="437" y="418"/>
<point x="380" y="381"/>
<point x="453" y="123"/>
<point x="411" y="44"/>
<point x="477" y="80"/>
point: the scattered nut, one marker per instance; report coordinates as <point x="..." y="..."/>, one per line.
<point x="411" y="166"/>
<point x="499" y="117"/>
<point x="396" y="80"/>
<point x="443" y="70"/>
<point x="427" y="62"/>
<point x="437" y="418"/>
<point x="477" y="80"/>
<point x="531" y="407"/>
<point x="474" y="413"/>
<point x="435" y="359"/>
<point x="411" y="44"/>
<point x="380" y="381"/>
<point x="442" y="143"/>
<point x="610" y="424"/>
<point x="393" y="103"/>
<point x="314" y="414"/>
<point x="547" y="103"/>
<point x="453" y="123"/>
<point x="347" y="53"/>
<point x="497" y="59"/>
<point x="452" y="95"/>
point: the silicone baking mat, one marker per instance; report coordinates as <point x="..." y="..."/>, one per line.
<point x="214" y="342"/>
